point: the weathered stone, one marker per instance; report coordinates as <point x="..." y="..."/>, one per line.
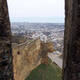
<point x="72" y="40"/>
<point x="6" y="68"/>
<point x="45" y="49"/>
<point x="27" y="59"/>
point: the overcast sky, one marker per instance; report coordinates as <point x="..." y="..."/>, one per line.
<point x="36" y="10"/>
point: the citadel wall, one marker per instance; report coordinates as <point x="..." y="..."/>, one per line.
<point x="6" y="65"/>
<point x="26" y="57"/>
<point x="71" y="67"/>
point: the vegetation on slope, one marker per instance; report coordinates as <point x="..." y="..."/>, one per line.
<point x="46" y="72"/>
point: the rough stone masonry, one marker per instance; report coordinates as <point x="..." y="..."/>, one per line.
<point x="71" y="67"/>
<point x="6" y="70"/>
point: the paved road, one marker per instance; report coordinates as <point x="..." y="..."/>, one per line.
<point x="55" y="59"/>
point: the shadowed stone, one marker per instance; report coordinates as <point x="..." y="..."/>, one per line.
<point x="6" y="70"/>
<point x="71" y="67"/>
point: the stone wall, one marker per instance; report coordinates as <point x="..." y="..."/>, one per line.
<point x="45" y="49"/>
<point x="26" y="57"/>
<point x="6" y="67"/>
<point x="71" y="67"/>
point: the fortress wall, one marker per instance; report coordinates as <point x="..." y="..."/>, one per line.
<point x="6" y="67"/>
<point x="26" y="57"/>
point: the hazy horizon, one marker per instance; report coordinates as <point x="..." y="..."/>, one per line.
<point x="38" y="20"/>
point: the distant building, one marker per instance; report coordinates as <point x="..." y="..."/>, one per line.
<point x="42" y="37"/>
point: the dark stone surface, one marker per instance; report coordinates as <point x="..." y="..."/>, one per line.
<point x="6" y="68"/>
<point x="71" y="67"/>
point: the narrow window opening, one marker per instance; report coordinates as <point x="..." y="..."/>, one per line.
<point x="38" y="29"/>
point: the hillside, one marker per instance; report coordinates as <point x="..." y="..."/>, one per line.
<point x="46" y="72"/>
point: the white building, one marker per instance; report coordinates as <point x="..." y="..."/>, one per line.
<point x="41" y="35"/>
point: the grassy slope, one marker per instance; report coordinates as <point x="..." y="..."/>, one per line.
<point x="46" y="72"/>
